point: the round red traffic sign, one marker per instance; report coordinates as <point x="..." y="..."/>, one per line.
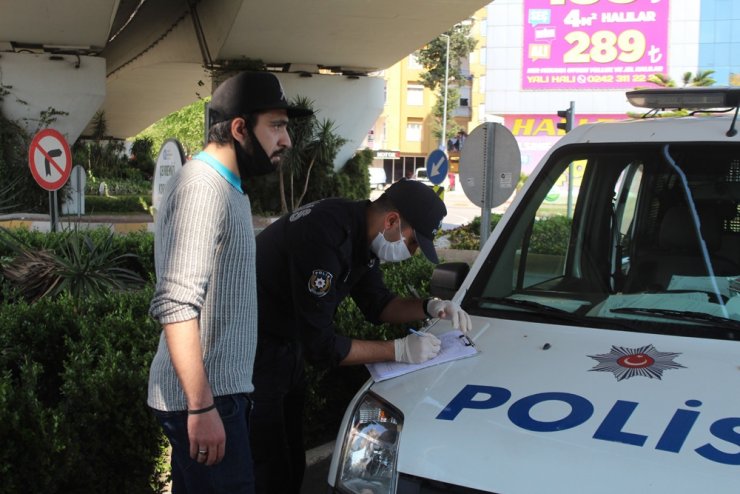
<point x="50" y="159"/>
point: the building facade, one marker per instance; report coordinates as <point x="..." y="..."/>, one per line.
<point x="403" y="136"/>
<point x="544" y="54"/>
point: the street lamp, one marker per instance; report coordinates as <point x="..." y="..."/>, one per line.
<point x="443" y="143"/>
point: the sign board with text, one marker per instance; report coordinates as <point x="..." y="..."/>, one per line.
<point x="170" y="159"/>
<point x="536" y="133"/>
<point x="593" y="44"/>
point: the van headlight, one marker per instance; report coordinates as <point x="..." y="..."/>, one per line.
<point x="367" y="464"/>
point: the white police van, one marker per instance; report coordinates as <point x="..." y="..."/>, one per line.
<point x="608" y="331"/>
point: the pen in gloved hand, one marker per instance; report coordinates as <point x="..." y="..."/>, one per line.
<point x="416" y="348"/>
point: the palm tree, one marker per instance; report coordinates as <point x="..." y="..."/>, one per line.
<point x="313" y="142"/>
<point x="661" y="80"/>
<point x="703" y="78"/>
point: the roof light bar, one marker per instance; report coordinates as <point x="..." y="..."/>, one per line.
<point x="694" y="98"/>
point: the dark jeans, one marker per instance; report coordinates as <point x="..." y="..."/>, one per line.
<point x="233" y="474"/>
<point x="276" y="434"/>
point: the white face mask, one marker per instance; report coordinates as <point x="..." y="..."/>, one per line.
<point x="390" y="251"/>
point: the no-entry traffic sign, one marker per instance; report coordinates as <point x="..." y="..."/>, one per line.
<point x="50" y="159"/>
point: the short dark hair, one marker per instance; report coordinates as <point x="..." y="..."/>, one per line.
<point x="383" y="204"/>
<point x="220" y="133"/>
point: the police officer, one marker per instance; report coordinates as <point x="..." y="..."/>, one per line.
<point x="307" y="263"/>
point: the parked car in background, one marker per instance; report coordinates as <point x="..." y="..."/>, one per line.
<point x="378" y="178"/>
<point x="420" y="174"/>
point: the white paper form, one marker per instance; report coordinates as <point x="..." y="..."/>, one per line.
<point x="453" y="346"/>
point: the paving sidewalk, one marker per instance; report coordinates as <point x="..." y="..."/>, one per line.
<point x="318" y="461"/>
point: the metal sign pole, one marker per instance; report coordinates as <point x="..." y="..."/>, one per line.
<point x="485" y="217"/>
<point x="53" y="211"/>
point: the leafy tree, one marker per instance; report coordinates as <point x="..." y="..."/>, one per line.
<point x="353" y="179"/>
<point x="20" y="192"/>
<point x="142" y="158"/>
<point x="453" y="98"/>
<point x="102" y="156"/>
<point x="433" y="57"/>
<point x="313" y="142"/>
<point x="186" y="125"/>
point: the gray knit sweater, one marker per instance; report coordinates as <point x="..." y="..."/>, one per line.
<point x="204" y="253"/>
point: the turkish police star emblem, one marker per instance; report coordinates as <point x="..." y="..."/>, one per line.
<point x="320" y="282"/>
<point x="645" y="361"/>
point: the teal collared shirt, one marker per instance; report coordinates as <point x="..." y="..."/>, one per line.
<point x="230" y="176"/>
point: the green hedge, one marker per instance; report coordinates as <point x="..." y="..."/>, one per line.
<point x="73" y="381"/>
<point x="73" y="413"/>
<point x="119" y="186"/>
<point x="118" y="204"/>
<point x="550" y="235"/>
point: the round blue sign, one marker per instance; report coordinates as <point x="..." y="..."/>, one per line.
<point x="437" y="166"/>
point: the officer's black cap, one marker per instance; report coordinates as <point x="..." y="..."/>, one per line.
<point x="249" y="92"/>
<point x="422" y="208"/>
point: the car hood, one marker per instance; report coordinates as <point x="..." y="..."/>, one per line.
<point x="548" y="408"/>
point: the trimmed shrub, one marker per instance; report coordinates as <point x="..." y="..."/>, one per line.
<point x="73" y="380"/>
<point x="467" y="237"/>
<point x="118" y="187"/>
<point x="353" y="181"/>
<point x="117" y="204"/>
<point x="550" y="235"/>
<point x="73" y="412"/>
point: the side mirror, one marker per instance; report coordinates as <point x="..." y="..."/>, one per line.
<point x="447" y="279"/>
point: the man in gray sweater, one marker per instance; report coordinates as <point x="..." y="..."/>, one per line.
<point x="205" y="296"/>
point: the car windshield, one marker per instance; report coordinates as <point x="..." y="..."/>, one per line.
<point x="644" y="239"/>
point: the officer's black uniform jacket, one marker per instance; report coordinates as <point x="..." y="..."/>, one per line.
<point x="307" y="263"/>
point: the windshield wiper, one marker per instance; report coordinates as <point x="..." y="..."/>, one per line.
<point x="516" y="302"/>
<point x="682" y="315"/>
<point x="532" y="307"/>
<point x="553" y="313"/>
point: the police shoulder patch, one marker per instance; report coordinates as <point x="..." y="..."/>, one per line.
<point x="319" y="283"/>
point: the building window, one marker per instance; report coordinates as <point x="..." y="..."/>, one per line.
<point x="413" y="130"/>
<point x="415" y="95"/>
